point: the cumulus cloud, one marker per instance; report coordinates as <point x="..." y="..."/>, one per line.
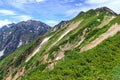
<point x="4" y="22"/>
<point x="7" y="12"/>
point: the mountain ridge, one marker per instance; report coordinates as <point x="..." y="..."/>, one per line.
<point x="60" y="54"/>
<point x="106" y="9"/>
<point x="20" y="33"/>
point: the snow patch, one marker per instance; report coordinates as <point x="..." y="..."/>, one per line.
<point x="31" y="31"/>
<point x="38" y="27"/>
<point x="10" y="32"/>
<point x="20" y="44"/>
<point x="2" y="52"/>
<point x="8" y="25"/>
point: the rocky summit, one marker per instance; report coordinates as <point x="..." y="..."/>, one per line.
<point x="12" y="36"/>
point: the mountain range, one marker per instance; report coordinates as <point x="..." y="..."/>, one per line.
<point x="12" y="36"/>
<point x="86" y="47"/>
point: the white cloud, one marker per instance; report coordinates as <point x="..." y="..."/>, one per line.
<point x="21" y="4"/>
<point x="4" y="22"/>
<point x="51" y="22"/>
<point x="69" y="0"/>
<point x="94" y="1"/>
<point x="20" y="1"/>
<point x="78" y="4"/>
<point x="7" y="12"/>
<point x="27" y="1"/>
<point x="114" y="5"/>
<point x="39" y="0"/>
<point x="23" y="17"/>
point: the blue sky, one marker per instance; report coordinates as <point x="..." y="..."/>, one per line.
<point x="48" y="11"/>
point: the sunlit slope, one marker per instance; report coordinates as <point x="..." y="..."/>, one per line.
<point x="87" y="47"/>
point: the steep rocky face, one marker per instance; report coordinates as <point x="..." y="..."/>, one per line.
<point x="13" y="36"/>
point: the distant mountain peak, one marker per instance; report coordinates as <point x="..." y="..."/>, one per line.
<point x="106" y="9"/>
<point x="12" y="36"/>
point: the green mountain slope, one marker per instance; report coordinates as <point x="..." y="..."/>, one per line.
<point x="99" y="63"/>
<point x="86" y="48"/>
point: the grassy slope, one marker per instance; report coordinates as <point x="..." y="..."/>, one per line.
<point x="70" y="73"/>
<point x="16" y="58"/>
<point x="34" y="66"/>
<point x="99" y="63"/>
<point x="36" y="58"/>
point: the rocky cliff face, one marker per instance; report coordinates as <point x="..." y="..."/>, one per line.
<point x="13" y="36"/>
